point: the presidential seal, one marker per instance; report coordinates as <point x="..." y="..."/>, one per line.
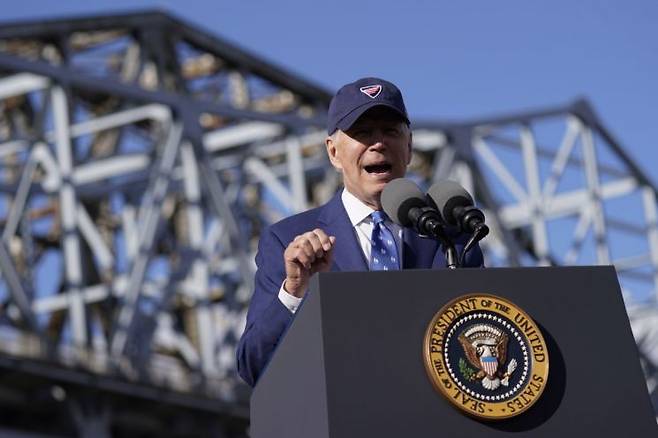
<point x="486" y="356"/>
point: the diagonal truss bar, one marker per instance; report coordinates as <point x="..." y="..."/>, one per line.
<point x="18" y="204"/>
<point x="149" y="217"/>
<point x="16" y="290"/>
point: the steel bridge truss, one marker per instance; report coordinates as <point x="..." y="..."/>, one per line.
<point x="139" y="160"/>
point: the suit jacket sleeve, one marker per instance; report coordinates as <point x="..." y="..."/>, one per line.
<point x="267" y="318"/>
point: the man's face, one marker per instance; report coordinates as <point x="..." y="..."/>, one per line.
<point x="372" y="152"/>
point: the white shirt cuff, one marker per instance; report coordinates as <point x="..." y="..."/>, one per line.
<point x="290" y="301"/>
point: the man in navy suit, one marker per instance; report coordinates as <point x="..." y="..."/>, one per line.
<point x="369" y="143"/>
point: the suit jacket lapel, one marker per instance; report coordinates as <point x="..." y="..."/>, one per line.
<point x="348" y="255"/>
<point x="418" y="252"/>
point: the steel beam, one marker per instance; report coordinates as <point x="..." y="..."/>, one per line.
<point x="148" y="219"/>
<point x="68" y="203"/>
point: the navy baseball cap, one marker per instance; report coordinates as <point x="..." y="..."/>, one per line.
<point x="354" y="99"/>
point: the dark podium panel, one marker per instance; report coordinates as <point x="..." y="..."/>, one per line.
<point x="351" y="364"/>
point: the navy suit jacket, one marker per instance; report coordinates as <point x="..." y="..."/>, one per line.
<point x="268" y="318"/>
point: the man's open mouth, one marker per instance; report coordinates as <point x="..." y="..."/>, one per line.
<point x="378" y="168"/>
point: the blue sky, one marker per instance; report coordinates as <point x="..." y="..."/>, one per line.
<point x="453" y="60"/>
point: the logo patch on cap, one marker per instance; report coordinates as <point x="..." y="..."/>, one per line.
<point x="371" y="91"/>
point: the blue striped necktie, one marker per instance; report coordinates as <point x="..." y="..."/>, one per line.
<point x="384" y="252"/>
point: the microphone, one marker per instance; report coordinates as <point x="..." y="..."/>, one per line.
<point x="457" y="207"/>
<point x="407" y="206"/>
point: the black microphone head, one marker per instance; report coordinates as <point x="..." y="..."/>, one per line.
<point x="446" y="195"/>
<point x="399" y="197"/>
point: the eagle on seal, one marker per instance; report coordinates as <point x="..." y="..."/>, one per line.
<point x="485" y="347"/>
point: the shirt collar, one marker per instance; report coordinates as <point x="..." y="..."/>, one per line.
<point x="357" y="211"/>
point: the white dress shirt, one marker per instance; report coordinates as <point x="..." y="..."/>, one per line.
<point x="359" y="214"/>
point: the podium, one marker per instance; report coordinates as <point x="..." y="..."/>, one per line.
<point x="351" y="363"/>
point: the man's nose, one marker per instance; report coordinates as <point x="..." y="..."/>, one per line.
<point x="377" y="139"/>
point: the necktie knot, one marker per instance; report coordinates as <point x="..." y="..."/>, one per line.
<point x="378" y="217"/>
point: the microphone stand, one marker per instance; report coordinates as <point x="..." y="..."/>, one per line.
<point x="427" y="222"/>
<point x="481" y="230"/>
<point x="470" y="218"/>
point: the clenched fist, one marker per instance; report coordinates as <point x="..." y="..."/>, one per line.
<point x="309" y="253"/>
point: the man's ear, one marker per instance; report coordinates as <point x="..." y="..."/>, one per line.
<point x="332" y="151"/>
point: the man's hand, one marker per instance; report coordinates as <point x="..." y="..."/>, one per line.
<point x="309" y="253"/>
